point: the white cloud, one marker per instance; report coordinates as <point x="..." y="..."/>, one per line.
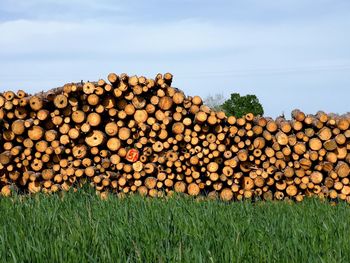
<point x="35" y="37"/>
<point x="23" y="37"/>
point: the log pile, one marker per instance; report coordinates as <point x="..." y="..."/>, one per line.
<point x="131" y="134"/>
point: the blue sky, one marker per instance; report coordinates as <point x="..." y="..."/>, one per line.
<point x="290" y="53"/>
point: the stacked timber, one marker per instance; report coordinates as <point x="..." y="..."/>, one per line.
<point x="132" y="134"/>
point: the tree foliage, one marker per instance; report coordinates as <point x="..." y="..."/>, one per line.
<point x="239" y="105"/>
<point x="214" y="101"/>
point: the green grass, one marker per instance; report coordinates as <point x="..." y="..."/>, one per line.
<point x="82" y="228"/>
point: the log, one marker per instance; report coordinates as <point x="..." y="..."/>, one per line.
<point x="36" y="103"/>
<point x="124" y="133"/>
<point x="165" y="103"/>
<point x="113" y="144"/>
<point x="226" y="194"/>
<point x="60" y="101"/>
<point x="95" y="138"/>
<point x="140" y="116"/>
<point x="315" y="144"/>
<point x="140" y="135"/>
<point x="35" y="133"/>
<point x="193" y="189"/>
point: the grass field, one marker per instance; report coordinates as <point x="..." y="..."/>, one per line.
<point x="81" y="228"/>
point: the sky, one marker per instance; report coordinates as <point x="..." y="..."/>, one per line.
<point x="290" y="53"/>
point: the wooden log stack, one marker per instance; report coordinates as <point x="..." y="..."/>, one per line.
<point x="131" y="134"/>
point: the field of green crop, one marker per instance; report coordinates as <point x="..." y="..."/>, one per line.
<point x="79" y="227"/>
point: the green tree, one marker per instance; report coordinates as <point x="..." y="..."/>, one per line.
<point x="239" y="105"/>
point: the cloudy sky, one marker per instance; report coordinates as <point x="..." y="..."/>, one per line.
<point x="290" y="53"/>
